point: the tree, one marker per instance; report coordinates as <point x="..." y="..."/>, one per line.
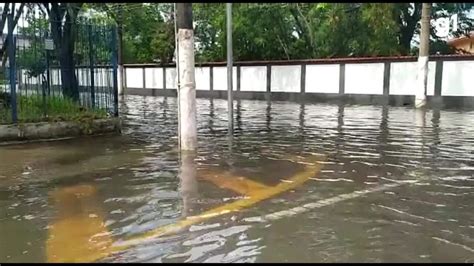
<point x="147" y="30"/>
<point x="32" y="58"/>
<point x="300" y="12"/>
<point x="63" y="20"/>
<point x="8" y="8"/>
<point x="280" y="31"/>
<point x="290" y="31"/>
<point x="382" y="28"/>
<point x="116" y="13"/>
<point x="210" y="20"/>
<point x="163" y="42"/>
<point x="266" y="38"/>
<point x="118" y="16"/>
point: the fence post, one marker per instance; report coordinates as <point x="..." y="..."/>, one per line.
<point x="114" y="69"/>
<point x="91" y="66"/>
<point x="12" y="67"/>
<point x="144" y="77"/>
<point x="230" y="101"/>
<point x="48" y="74"/>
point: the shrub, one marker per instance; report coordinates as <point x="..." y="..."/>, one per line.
<point x="35" y="108"/>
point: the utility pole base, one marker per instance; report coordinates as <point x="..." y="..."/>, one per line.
<point x="422" y="78"/>
<point x="422" y="82"/>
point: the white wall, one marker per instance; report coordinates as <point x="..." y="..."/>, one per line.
<point x="170" y="78"/>
<point x="103" y="77"/>
<point x="55" y="77"/>
<point x="253" y="78"/>
<point x="134" y="77"/>
<point x="458" y="78"/>
<point x="84" y="77"/>
<point x="286" y="79"/>
<point x="364" y="78"/>
<point x="154" y="78"/>
<point x="360" y="78"/>
<point x="202" y="78"/>
<point x="403" y="77"/>
<point x="322" y="78"/>
<point x="25" y="79"/>
<point x="219" y="77"/>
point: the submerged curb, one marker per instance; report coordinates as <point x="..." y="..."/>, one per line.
<point x="57" y="130"/>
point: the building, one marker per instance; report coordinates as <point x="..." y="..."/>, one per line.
<point x="464" y="44"/>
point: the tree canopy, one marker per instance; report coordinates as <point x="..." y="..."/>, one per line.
<point x="264" y="31"/>
<point x="279" y="31"/>
<point x="319" y="30"/>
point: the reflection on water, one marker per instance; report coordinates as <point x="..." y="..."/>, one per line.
<point x="78" y="231"/>
<point x="71" y="200"/>
<point x="188" y="183"/>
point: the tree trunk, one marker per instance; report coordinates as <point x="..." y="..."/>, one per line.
<point x="64" y="37"/>
<point x="6" y="8"/>
<point x="68" y="74"/>
<point x="408" y="23"/>
<point x="3" y="50"/>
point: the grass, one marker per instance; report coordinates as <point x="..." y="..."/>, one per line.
<point x="52" y="109"/>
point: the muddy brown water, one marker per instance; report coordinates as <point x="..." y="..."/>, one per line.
<point x="59" y="199"/>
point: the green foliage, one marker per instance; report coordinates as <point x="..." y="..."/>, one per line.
<point x="95" y="30"/>
<point x="382" y="29"/>
<point x="148" y="30"/>
<point x="279" y="31"/>
<point x="310" y="30"/>
<point x="32" y="58"/>
<point x="209" y="32"/>
<point x="163" y="43"/>
<point x="33" y="109"/>
<point x="269" y="37"/>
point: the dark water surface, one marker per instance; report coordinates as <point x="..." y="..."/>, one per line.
<point x="59" y="199"/>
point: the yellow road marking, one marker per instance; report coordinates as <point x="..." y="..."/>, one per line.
<point x="78" y="232"/>
<point x="298" y="179"/>
<point x="243" y="185"/>
<point x="71" y="237"/>
<point x="226" y="180"/>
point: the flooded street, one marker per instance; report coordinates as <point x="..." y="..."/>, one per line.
<point x="296" y="183"/>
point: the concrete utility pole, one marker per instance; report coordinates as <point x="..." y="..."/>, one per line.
<point x="229" y="69"/>
<point x="188" y="186"/>
<point x="186" y="83"/>
<point x="422" y="79"/>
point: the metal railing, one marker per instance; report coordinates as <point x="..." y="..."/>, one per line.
<point x="49" y="76"/>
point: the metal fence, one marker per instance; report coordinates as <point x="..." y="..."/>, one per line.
<point x="58" y="71"/>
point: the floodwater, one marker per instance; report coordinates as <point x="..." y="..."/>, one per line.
<point x="310" y="181"/>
